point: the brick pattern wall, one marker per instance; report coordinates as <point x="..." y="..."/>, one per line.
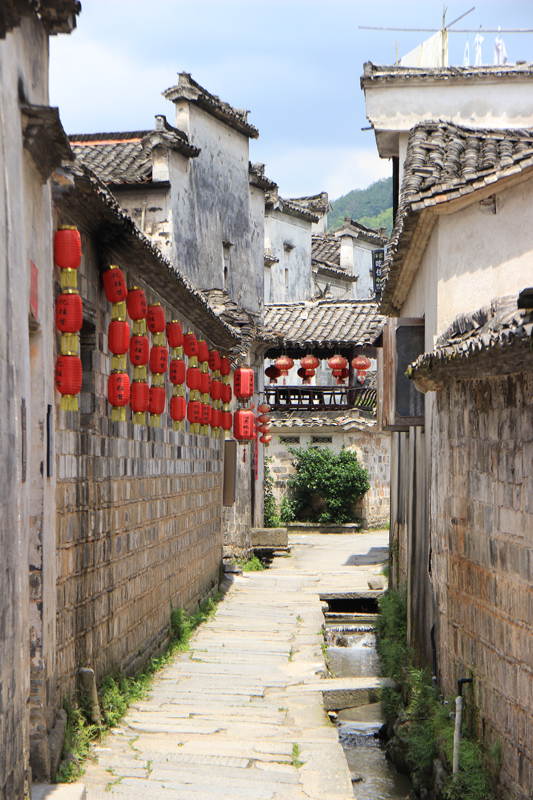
<point x="139" y="522"/>
<point x="482" y="560"/>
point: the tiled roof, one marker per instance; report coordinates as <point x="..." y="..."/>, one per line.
<point x="495" y="339"/>
<point x="127" y="157"/>
<point x="347" y="420"/>
<point x="317" y="202"/>
<point x="189" y="89"/>
<point x="58" y="16"/>
<point x="351" y="227"/>
<point x="446" y="162"/>
<point x="274" y="201"/>
<point x="258" y="177"/>
<point x="374" y="73"/>
<point x="325" y="322"/>
<point x="326" y="249"/>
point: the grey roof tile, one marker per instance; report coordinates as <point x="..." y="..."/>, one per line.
<point x="325" y="322"/>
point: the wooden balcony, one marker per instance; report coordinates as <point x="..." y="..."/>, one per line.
<point x="320" y="398"/>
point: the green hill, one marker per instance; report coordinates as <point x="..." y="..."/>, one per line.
<point x="371" y="207"/>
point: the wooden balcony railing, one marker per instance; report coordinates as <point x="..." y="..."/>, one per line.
<point x="320" y="398"/>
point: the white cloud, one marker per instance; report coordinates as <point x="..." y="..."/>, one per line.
<point x="337" y="170"/>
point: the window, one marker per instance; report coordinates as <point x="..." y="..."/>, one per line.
<point x="226" y="249"/>
<point x="289" y="439"/>
<point x="321" y="440"/>
<point x="403" y="405"/>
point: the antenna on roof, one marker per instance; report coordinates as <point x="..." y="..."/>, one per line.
<point x="447" y="28"/>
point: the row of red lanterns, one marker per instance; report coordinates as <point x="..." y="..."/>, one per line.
<point x="69" y="316"/>
<point x="309" y="363"/>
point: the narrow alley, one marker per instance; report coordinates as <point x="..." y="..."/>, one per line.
<point x="241" y="715"/>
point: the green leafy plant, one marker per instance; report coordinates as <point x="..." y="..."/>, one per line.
<point x="286" y="512"/>
<point x="253" y="564"/>
<point x="271" y="517"/>
<point x="326" y="485"/>
<point x="296" y="756"/>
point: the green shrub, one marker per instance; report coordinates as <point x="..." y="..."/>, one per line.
<point x="271" y="518"/>
<point x="286" y="512"/>
<point x="326" y="485"/>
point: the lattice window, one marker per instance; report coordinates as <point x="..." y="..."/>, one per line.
<point x="289" y="439"/>
<point x="321" y="440"/>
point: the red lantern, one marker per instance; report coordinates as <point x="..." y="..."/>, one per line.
<point x="178" y="371"/>
<point x="155" y="318"/>
<point x="243" y="383"/>
<point x="157" y="400"/>
<point x="264" y="408"/>
<point x="337" y="362"/>
<point x="214" y="362"/>
<point x="68" y="378"/>
<point x="206" y="414"/>
<point x="203" y="351"/>
<point x="67" y="247"/>
<point x="194" y="412"/>
<point x="69" y="313"/>
<point x="306" y="374"/>
<point x="158" y="359"/>
<point x="227" y="421"/>
<point x="345" y="372"/>
<point x="193" y="378"/>
<point x="361" y="375"/>
<point x="216" y="390"/>
<point x="216" y="418"/>
<point x="225" y="367"/>
<point x="244" y="425"/>
<point x="139" y="351"/>
<point x="273" y="374"/>
<point x="190" y="345"/>
<point x="136" y="303"/>
<point x="263" y="428"/>
<point x="205" y="382"/>
<point x="118" y="337"/>
<point x="284" y="364"/>
<point x="178" y="407"/>
<point x="264" y="418"/>
<point x="118" y="389"/>
<point x="226" y="393"/>
<point x="265" y="440"/>
<point x="309" y="362"/>
<point x="174" y="334"/>
<point x="361" y="363"/>
<point x="139" y="397"/>
<point x="115" y="285"/>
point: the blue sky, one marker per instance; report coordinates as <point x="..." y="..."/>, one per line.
<point x="295" y="64"/>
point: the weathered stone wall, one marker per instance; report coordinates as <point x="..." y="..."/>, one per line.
<point x="373" y="452"/>
<point x="481" y="564"/>
<point x="139" y="512"/>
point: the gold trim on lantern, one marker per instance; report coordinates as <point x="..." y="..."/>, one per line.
<point x="157" y="379"/>
<point x="118" y="363"/>
<point x="155" y="420"/>
<point x="139" y="327"/>
<point x="204" y="430"/>
<point x="69" y="402"/>
<point x="178" y="390"/>
<point x="67" y="228"/>
<point x="139" y="374"/>
<point x="118" y="413"/>
<point x="226" y="407"/>
<point x="194" y="394"/>
<point x="69" y="344"/>
<point x="177" y="425"/>
<point x="204" y="366"/>
<point x="176" y="352"/>
<point x="194" y="427"/>
<point x="70" y="291"/>
<point x="216" y="404"/>
<point x="69" y="278"/>
<point x="118" y="311"/>
<point x="159" y="339"/>
<point x="204" y="398"/>
<point x="226" y="379"/>
<point x="139" y="417"/>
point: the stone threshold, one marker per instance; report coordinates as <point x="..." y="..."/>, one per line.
<point x="58" y="791"/>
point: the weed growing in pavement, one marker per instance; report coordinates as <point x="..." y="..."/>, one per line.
<point x="253" y="564"/>
<point x="296" y="756"/>
<point x="117" y="692"/>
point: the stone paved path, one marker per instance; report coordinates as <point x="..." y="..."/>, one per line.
<point x="222" y="721"/>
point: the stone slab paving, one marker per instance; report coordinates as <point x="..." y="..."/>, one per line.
<point x="221" y="721"/>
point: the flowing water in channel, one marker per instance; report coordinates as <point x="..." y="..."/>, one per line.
<point x="352" y="653"/>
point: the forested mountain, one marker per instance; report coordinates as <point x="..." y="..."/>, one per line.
<point x="371" y="207"/>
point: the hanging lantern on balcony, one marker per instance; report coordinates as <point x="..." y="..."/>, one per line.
<point x="284" y="364"/>
<point x="118" y="394"/>
<point x="115" y="285"/>
<point x="68" y="377"/>
<point x="174" y="334"/>
<point x="194" y="415"/>
<point x="136" y="304"/>
<point x="263" y="408"/>
<point x="263" y="418"/>
<point x="265" y="440"/>
<point x="309" y="362"/>
<point x="155" y="318"/>
<point x="306" y="374"/>
<point x="139" y="351"/>
<point x="215" y="362"/>
<point x="244" y="425"/>
<point x="243" y="383"/>
<point x="190" y="345"/>
<point x="156" y="404"/>
<point x="67" y="247"/>
<point x="69" y="312"/>
<point x="178" y="409"/>
<point x="263" y="428"/>
<point x="361" y="363"/>
<point x="139" y="401"/>
<point x="337" y="362"/>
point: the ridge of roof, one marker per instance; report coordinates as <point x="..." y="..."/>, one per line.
<point x="375" y="73"/>
<point x="257" y="171"/>
<point x="188" y="89"/>
<point x="319" y="201"/>
<point x="445" y="162"/>
<point x="277" y="203"/>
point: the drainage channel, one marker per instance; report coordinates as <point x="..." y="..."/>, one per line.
<point x="351" y="646"/>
